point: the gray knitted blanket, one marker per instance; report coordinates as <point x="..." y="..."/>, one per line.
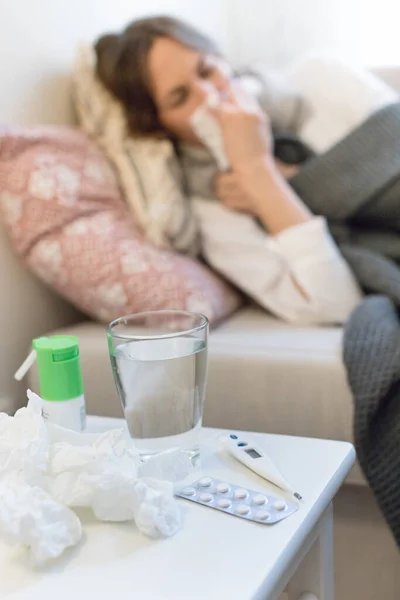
<point x="356" y="185"/>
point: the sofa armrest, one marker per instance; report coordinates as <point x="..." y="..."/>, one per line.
<point x="27" y="310"/>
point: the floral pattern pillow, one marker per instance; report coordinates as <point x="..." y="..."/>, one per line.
<point x="63" y="209"/>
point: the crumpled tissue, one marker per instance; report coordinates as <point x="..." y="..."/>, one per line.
<point x="46" y="470"/>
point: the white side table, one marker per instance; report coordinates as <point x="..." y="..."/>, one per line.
<point x="215" y="556"/>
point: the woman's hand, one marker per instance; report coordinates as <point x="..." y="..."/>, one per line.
<point x="245" y="129"/>
<point x="228" y="189"/>
<point x="248" y="145"/>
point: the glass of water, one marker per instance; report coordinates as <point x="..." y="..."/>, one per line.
<point x="159" y="363"/>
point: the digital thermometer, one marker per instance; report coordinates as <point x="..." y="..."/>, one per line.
<point x="254" y="458"/>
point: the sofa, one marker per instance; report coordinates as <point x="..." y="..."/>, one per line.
<point x="264" y="375"/>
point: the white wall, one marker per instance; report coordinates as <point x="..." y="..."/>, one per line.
<point x="38" y="37"/>
<point x="274" y="32"/>
<point x="379" y="42"/>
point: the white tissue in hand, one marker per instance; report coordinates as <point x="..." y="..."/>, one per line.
<point x="207" y="128"/>
<point x="209" y="132"/>
<point x="30" y="517"/>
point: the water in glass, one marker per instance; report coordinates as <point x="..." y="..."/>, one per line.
<point x="161" y="384"/>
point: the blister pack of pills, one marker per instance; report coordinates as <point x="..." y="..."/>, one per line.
<point x="238" y="501"/>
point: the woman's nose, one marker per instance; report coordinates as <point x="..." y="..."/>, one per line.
<point x="221" y="80"/>
<point x="205" y="88"/>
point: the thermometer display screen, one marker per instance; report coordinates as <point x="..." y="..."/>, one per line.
<point x="253" y="453"/>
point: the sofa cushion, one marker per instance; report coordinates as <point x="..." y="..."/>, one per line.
<point x="264" y="375"/>
<point x="66" y="217"/>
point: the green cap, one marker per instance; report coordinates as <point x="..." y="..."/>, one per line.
<point x="60" y="374"/>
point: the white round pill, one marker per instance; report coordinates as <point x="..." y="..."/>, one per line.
<point x="222" y="488"/>
<point x="205" y="482"/>
<point x="224" y="503"/>
<point x="189" y="491"/>
<point x="242" y="509"/>
<point x="259" y="499"/>
<point x="263" y="515"/>
<point x="279" y="505"/>
<point x="240" y="494"/>
<point x="206" y="497"/>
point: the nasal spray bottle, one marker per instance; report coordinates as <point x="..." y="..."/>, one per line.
<point x="60" y="380"/>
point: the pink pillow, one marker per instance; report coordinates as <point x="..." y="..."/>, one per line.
<point x="62" y="206"/>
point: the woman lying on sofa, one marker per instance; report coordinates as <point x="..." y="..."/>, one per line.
<point x="260" y="234"/>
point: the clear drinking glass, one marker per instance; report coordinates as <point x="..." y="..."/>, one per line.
<point x="159" y="363"/>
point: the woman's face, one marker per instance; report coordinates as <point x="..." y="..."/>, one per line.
<point x="181" y="79"/>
